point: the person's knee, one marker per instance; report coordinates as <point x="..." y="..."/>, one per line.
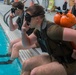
<point x="26" y="65"/>
<point x="34" y="71"/>
<point x="54" y="69"/>
<point x="61" y="70"/>
<point x="16" y="46"/>
<point x="58" y="69"/>
<point x="11" y="43"/>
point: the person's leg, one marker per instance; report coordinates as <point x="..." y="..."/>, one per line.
<point x="12" y="43"/>
<point x="25" y="73"/>
<point x="42" y="65"/>
<point x="15" y="46"/>
<point x="10" y="47"/>
<point x="53" y="68"/>
<point x="15" y="49"/>
<point x="33" y="62"/>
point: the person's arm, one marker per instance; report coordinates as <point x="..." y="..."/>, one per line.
<point x="57" y="32"/>
<point x="12" y="25"/>
<point x="28" y="41"/>
<point x="69" y="35"/>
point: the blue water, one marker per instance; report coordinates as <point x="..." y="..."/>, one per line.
<point x="10" y="69"/>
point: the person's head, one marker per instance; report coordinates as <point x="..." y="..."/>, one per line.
<point x="17" y="7"/>
<point x="35" y="15"/>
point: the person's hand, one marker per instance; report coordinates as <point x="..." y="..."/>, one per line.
<point x="74" y="54"/>
<point x="11" y="15"/>
<point x="25" y="27"/>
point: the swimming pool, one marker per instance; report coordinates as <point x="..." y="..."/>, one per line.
<point x="8" y="69"/>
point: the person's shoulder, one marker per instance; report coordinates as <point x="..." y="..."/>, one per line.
<point x="54" y="31"/>
<point x="51" y="24"/>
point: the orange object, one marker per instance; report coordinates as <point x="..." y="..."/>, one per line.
<point x="57" y="18"/>
<point x="68" y="20"/>
<point x="72" y="18"/>
<point x="15" y="0"/>
<point x="64" y="22"/>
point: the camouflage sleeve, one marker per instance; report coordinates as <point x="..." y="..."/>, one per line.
<point x="55" y="32"/>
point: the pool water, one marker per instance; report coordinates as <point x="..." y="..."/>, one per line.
<point x="8" y="69"/>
